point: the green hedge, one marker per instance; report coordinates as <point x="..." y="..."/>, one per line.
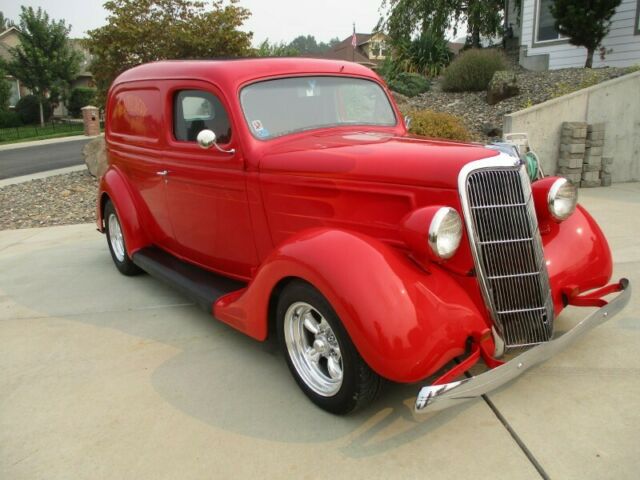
<point x="80" y="97"/>
<point x="473" y="70"/>
<point x="28" y="108"/>
<point x="409" y="84"/>
<point x="9" y="119"/>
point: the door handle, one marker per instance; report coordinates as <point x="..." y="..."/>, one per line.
<point x="163" y="173"/>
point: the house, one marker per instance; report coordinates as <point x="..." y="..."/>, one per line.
<point x="10" y="38"/>
<point x="370" y="50"/>
<point x="541" y="47"/>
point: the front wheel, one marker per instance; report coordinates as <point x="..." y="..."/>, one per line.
<point x="320" y="354"/>
<point x="115" y="240"/>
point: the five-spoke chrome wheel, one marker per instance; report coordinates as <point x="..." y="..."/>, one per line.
<point x="115" y="237"/>
<point x="313" y="349"/>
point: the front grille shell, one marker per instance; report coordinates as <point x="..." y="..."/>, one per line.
<point x="507" y="249"/>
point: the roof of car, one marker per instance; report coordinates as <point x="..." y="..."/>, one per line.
<point x="238" y="71"/>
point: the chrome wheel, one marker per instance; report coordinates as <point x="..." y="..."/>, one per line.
<point x="313" y="349"/>
<point x="115" y="237"/>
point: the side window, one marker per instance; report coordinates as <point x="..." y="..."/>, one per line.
<point x="195" y="110"/>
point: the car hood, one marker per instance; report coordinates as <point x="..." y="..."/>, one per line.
<point x="371" y="156"/>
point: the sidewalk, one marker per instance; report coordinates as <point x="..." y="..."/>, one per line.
<point x="106" y="376"/>
<point x="49" y="141"/>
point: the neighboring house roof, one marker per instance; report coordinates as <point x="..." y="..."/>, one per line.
<point x="8" y="31"/>
<point x="345" y="51"/>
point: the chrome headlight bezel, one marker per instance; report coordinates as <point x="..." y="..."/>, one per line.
<point x="445" y="233"/>
<point x="562" y="199"/>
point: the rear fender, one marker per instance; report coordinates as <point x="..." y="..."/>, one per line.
<point x="405" y="322"/>
<point x="114" y="186"/>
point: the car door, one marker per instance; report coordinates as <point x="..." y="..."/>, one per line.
<point x="135" y="142"/>
<point x="206" y="189"/>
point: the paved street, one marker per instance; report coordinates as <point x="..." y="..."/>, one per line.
<point x="104" y="376"/>
<point x="20" y="161"/>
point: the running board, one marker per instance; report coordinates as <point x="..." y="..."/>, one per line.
<point x="202" y="286"/>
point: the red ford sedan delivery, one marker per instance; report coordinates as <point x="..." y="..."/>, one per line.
<point x="286" y="196"/>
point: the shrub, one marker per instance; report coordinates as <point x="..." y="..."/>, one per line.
<point x="80" y="97"/>
<point x="409" y="84"/>
<point x="473" y="70"/>
<point x="28" y="108"/>
<point x="438" y="125"/>
<point x="428" y="54"/>
<point x="5" y="93"/>
<point x="9" y="119"/>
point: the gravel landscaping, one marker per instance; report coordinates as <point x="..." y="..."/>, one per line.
<point x="483" y="119"/>
<point x="58" y="200"/>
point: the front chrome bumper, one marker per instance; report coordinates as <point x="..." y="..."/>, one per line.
<point x="438" y="397"/>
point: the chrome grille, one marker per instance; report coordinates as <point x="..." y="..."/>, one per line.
<point x="508" y="253"/>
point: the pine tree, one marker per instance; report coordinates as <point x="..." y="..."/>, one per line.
<point x="585" y="22"/>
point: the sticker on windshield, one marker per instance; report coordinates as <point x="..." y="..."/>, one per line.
<point x="257" y="126"/>
<point x="311" y="88"/>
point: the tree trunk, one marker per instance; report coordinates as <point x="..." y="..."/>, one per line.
<point x="475" y="37"/>
<point x="589" y="63"/>
<point x="41" y="114"/>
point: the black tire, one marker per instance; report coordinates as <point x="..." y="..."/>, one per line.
<point x="123" y="264"/>
<point x="360" y="385"/>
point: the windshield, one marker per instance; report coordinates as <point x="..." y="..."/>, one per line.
<point x="277" y="107"/>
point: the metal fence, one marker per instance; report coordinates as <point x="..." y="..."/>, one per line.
<point x="50" y="128"/>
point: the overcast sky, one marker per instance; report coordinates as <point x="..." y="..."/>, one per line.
<point x="277" y="20"/>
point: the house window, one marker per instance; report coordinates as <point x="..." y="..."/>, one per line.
<point x="378" y="49"/>
<point x="15" y="91"/>
<point x="545" y="24"/>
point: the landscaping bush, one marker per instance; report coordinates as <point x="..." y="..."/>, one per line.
<point x="9" y="119"/>
<point x="473" y="70"/>
<point x="5" y="93"/>
<point x="409" y="84"/>
<point x="438" y="125"/>
<point x="428" y="54"/>
<point x="80" y="97"/>
<point x="28" y="108"/>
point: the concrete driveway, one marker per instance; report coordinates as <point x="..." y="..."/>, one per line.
<point x="103" y="376"/>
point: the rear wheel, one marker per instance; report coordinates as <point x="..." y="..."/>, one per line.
<point x="320" y="354"/>
<point x="116" y="242"/>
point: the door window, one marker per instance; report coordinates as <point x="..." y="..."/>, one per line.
<point x="196" y="110"/>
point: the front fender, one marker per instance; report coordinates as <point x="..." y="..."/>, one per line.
<point x="405" y="322"/>
<point x="577" y="255"/>
<point x="114" y="185"/>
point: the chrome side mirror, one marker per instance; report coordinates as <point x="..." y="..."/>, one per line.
<point x="207" y="138"/>
<point x="407" y="121"/>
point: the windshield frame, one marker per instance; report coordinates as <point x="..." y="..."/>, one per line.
<point x="322" y="127"/>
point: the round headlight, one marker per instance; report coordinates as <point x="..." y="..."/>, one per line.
<point x="445" y="232"/>
<point x="562" y="199"/>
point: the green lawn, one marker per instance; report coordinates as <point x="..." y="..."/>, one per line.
<point x="35" y="132"/>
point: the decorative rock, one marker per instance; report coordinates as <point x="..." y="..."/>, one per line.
<point x="491" y="130"/>
<point x="400" y="98"/>
<point x="95" y="157"/>
<point x="503" y="85"/>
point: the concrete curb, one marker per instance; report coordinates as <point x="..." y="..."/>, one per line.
<point x="45" y="174"/>
<point x="49" y="141"/>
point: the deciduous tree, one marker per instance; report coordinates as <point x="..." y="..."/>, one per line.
<point x="585" y="22"/>
<point x="44" y="56"/>
<point x="140" y="31"/>
<point x="404" y="19"/>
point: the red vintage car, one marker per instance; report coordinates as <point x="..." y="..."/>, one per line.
<point x="286" y="195"/>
